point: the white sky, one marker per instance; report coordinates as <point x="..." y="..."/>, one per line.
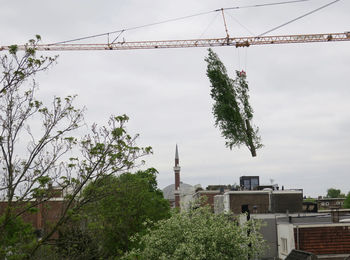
<point x="300" y="92"/>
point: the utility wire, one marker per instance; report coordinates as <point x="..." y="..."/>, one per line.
<point x="298" y="18"/>
<point x="174" y="19"/>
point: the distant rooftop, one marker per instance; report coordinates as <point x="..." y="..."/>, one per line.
<point x="168" y="191"/>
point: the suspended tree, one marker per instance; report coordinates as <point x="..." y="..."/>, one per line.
<point x="232" y="111"/>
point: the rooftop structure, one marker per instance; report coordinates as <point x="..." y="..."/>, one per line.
<point x="326" y="235"/>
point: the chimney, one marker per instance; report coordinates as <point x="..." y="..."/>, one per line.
<point x="177" y="179"/>
<point x="335" y="214"/>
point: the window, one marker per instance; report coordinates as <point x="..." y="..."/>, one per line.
<point x="247" y="184"/>
<point x="254" y="183"/>
<point x="284" y="245"/>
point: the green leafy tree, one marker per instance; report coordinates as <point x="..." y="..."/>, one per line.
<point x="347" y="201"/>
<point x="232" y="111"/>
<point x="36" y="139"/>
<point x="199" y="234"/>
<point x="118" y="208"/>
<point x="309" y="199"/>
<point x="334" y="193"/>
<point x="17" y="239"/>
<point x="16" y="69"/>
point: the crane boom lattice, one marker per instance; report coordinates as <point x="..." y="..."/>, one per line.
<point x="228" y="41"/>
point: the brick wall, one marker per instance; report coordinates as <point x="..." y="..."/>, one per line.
<point x="208" y="196"/>
<point x="260" y="200"/>
<point x="327" y="203"/>
<point x="322" y="240"/>
<point x="48" y="214"/>
<point x="281" y="202"/>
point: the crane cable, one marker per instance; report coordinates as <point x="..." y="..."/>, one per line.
<point x="134" y="28"/>
<point x="175" y="19"/>
<point x="298" y="18"/>
<point x="263" y="5"/>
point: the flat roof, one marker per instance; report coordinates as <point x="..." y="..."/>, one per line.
<point x="264" y="192"/>
<point x="286" y="191"/>
<point x="302" y="225"/>
<point x="330" y="199"/>
<point x="248" y="192"/>
<point x="208" y="191"/>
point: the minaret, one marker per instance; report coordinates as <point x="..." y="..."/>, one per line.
<point x="177" y="179"/>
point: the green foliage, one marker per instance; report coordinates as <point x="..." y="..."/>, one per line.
<point x="76" y="243"/>
<point x="347" y="201"/>
<point x="118" y="208"/>
<point x="309" y="199"/>
<point x="28" y="176"/>
<point x="16" y="239"/>
<point x="13" y="74"/>
<point x="13" y="49"/>
<point x="334" y="193"/>
<point x="199" y="234"/>
<point x="232" y="111"/>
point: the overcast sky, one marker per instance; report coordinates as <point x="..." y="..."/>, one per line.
<point x="300" y="92"/>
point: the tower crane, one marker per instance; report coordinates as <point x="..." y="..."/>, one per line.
<point x="213" y="42"/>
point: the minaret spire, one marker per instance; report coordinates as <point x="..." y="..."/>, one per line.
<point x="177" y="178"/>
<point x="176" y="156"/>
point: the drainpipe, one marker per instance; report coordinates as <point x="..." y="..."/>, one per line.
<point x="298" y="238"/>
<point x="277" y="238"/>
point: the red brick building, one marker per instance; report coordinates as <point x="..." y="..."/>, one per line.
<point x="317" y="235"/>
<point x="47" y="213"/>
<point x="325" y="239"/>
<point x="207" y="196"/>
<point x="328" y="203"/>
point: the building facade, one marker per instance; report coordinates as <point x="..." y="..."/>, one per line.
<point x="328" y="203"/>
<point x="319" y="234"/>
<point x="262" y="202"/>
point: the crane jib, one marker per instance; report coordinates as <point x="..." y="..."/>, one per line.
<point x="215" y="42"/>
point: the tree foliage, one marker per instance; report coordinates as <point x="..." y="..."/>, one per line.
<point x="334" y="193"/>
<point x="17" y="239"/>
<point x="16" y="69"/>
<point x="118" y="208"/>
<point x="199" y="234"/>
<point x="232" y="111"/>
<point x="347" y="201"/>
<point x="36" y="141"/>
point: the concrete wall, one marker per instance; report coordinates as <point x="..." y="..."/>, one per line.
<point x="269" y="233"/>
<point x="285" y="231"/>
<point x="226" y="203"/>
<point x="219" y="204"/>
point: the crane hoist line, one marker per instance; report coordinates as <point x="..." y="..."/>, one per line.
<point x="215" y="42"/>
